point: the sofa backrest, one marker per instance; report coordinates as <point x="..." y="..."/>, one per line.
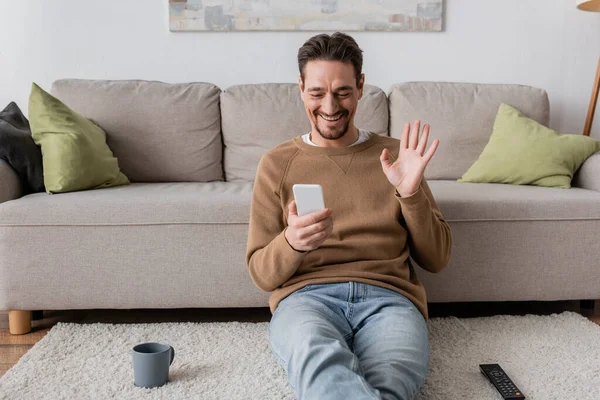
<point x="173" y="132"/>
<point x="159" y="132"/>
<point x="257" y="117"/>
<point x="461" y="116"/>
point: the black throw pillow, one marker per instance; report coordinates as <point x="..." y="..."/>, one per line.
<point x="19" y="150"/>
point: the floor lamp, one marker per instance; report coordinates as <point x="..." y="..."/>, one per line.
<point x="591" y="5"/>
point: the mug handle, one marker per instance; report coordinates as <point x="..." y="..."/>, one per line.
<point x="172" y="355"/>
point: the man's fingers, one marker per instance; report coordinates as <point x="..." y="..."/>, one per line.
<point x="385" y="158"/>
<point x="313" y="218"/>
<point x="310" y="230"/>
<point x="414" y="137"/>
<point x="423" y="141"/>
<point x="404" y="137"/>
<point x="431" y="151"/>
<point x="319" y="237"/>
<point x="292" y="210"/>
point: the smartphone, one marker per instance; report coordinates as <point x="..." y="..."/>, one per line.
<point x="309" y="198"/>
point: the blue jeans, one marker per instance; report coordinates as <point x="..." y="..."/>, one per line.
<point x="350" y="341"/>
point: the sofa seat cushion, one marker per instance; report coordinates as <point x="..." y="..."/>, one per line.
<point x="503" y="202"/>
<point x="229" y="203"/>
<point x="135" y="204"/>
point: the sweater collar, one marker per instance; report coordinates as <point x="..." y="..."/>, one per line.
<point x="334" y="151"/>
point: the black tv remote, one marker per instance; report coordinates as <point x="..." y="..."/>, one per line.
<point x="501" y="381"/>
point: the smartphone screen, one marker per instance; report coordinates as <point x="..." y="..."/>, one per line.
<point x="309" y="198"/>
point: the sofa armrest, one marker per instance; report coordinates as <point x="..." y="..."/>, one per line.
<point x="588" y="175"/>
<point x="10" y="185"/>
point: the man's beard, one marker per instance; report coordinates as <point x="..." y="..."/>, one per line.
<point x="337" y="134"/>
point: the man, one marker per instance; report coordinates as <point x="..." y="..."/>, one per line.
<point x="349" y="312"/>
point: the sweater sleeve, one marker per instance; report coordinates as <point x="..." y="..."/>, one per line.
<point x="430" y="239"/>
<point x="270" y="258"/>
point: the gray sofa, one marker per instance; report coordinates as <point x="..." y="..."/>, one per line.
<point x="176" y="237"/>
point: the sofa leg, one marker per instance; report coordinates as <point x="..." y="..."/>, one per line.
<point x="19" y="322"/>
<point x="587" y="304"/>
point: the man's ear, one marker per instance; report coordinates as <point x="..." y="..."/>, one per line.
<point x="361" y="86"/>
<point x="301" y="85"/>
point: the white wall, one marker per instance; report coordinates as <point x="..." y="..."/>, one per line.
<point x="543" y="43"/>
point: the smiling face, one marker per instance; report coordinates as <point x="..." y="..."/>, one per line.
<point x="330" y="98"/>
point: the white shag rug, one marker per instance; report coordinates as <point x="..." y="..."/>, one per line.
<point x="548" y="357"/>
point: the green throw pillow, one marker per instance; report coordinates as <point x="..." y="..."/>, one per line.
<point x="75" y="155"/>
<point x="523" y="152"/>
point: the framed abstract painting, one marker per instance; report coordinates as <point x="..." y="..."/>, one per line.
<point x="306" y="15"/>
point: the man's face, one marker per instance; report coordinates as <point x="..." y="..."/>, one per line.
<point x="330" y="97"/>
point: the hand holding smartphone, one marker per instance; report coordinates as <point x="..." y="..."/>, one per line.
<point x="309" y="222"/>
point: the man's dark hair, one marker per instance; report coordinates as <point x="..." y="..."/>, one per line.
<point x="337" y="47"/>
